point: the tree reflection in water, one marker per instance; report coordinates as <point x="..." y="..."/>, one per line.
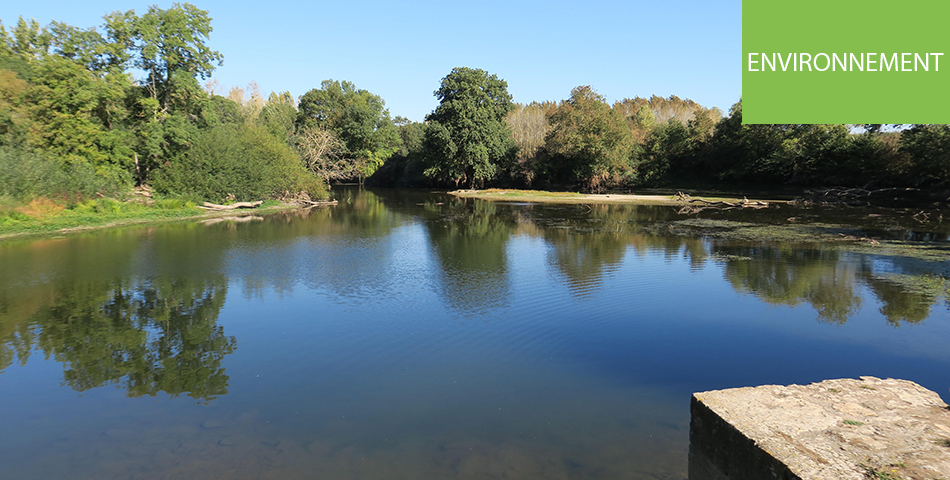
<point x="469" y="240"/>
<point x="151" y="337"/>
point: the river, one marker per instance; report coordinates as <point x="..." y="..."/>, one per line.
<point x="408" y="335"/>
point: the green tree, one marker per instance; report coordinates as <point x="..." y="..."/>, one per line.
<point x="668" y="145"/>
<point x="355" y="116"/>
<point x="13" y="116"/>
<point x="590" y="144"/>
<point x="468" y="138"/>
<point x="28" y="40"/>
<point x="738" y="151"/>
<point x="170" y="47"/>
<point x="405" y="168"/>
<point x="74" y="112"/>
<point x="279" y="114"/>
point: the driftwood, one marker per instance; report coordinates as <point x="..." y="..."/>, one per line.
<point x="311" y="203"/>
<point x="142" y="191"/>
<point x="216" y="207"/>
<point x="744" y="203"/>
<point x="304" y="200"/>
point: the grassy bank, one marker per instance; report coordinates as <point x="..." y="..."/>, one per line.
<point x="45" y="217"/>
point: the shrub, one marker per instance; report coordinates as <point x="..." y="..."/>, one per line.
<point x="27" y="175"/>
<point x="245" y="161"/>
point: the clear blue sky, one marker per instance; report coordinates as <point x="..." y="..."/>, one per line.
<point x="401" y="50"/>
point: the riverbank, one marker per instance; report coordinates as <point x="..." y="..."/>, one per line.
<point x="47" y="219"/>
<point x="541" y="196"/>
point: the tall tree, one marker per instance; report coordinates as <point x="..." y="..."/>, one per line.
<point x="170" y="48"/>
<point x="29" y="40"/>
<point x="529" y="127"/>
<point x="74" y="113"/>
<point x="590" y="143"/>
<point x="279" y="114"/>
<point x="468" y="137"/>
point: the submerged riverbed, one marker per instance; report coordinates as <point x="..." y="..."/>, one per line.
<point x="411" y="335"/>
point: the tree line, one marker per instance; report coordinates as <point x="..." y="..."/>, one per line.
<point x="587" y="144"/>
<point x="75" y="121"/>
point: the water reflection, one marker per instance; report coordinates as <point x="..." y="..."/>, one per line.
<point x="783" y="276"/>
<point x="140" y="309"/>
<point x="160" y="336"/>
<point x="903" y="303"/>
<point x="469" y="240"/>
<point x="137" y="311"/>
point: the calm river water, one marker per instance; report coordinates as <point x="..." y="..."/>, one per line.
<point x="403" y="335"/>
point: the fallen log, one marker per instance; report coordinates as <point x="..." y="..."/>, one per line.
<point x="744" y="203"/>
<point x="216" y="207"/>
<point x="310" y="203"/>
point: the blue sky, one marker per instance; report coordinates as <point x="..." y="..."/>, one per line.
<point x="401" y="50"/>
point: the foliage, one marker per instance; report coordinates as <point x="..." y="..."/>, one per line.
<point x="468" y="140"/>
<point x="355" y="116"/>
<point x="222" y="110"/>
<point x="529" y="127"/>
<point x="279" y="114"/>
<point x="322" y="152"/>
<point x="643" y="114"/>
<point x="668" y="146"/>
<point x="72" y="111"/>
<point x="405" y="167"/>
<point x="589" y="143"/>
<point x="13" y="117"/>
<point x="170" y="47"/>
<point x="160" y="140"/>
<point x="26" y="175"/>
<point x="241" y="161"/>
<point x="68" y="97"/>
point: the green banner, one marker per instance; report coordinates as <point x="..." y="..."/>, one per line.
<point x="830" y="61"/>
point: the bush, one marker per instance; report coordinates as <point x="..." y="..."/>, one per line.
<point x="245" y="161"/>
<point x="26" y="175"/>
